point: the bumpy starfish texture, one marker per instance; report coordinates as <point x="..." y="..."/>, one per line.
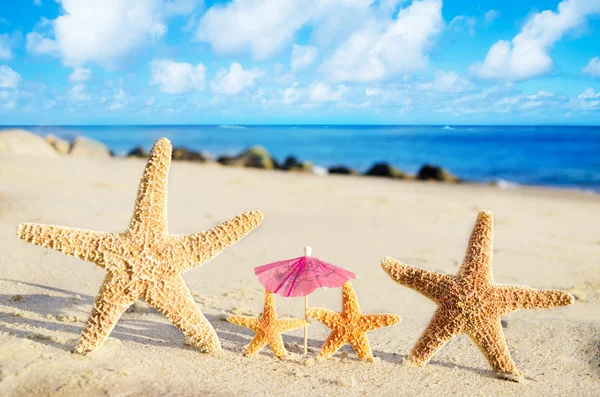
<point x="470" y="302"/>
<point x="268" y="328"/>
<point x="145" y="262"/>
<point x="350" y="326"/>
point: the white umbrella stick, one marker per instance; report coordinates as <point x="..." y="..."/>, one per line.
<point x="307" y="252"/>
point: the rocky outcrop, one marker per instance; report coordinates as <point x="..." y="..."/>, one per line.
<point x="181" y="153"/>
<point x="60" y="145"/>
<point x="341" y="170"/>
<point x="24" y="142"/>
<point x="138" y="152"/>
<point x="86" y="147"/>
<point x="385" y="170"/>
<point x="292" y="164"/>
<point x="254" y="157"/>
<point x="435" y="173"/>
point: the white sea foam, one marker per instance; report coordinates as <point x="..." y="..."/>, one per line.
<point x="233" y="127"/>
<point x="448" y="128"/>
<point x="504" y="184"/>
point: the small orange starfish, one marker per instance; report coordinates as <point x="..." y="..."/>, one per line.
<point x="145" y="262"/>
<point x="350" y="326"/>
<point x="268" y="328"/>
<point x="470" y="302"/>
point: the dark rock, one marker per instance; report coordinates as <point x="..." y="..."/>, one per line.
<point x="181" y="153"/>
<point x="292" y="164"/>
<point x="253" y="157"/>
<point x="341" y="170"/>
<point x="432" y="172"/>
<point x="385" y="170"/>
<point x="138" y="152"/>
<point x="504" y="323"/>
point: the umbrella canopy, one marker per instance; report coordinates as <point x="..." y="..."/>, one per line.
<point x="301" y="276"/>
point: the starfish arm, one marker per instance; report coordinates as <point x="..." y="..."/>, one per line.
<point x="150" y="211"/>
<point x="360" y="343"/>
<point x="370" y="322"/>
<point x="333" y="343"/>
<point x="288" y="324"/>
<point x="490" y="340"/>
<point x="173" y="299"/>
<point x="276" y="344"/>
<point x="252" y="323"/>
<point x="428" y="283"/>
<point x="111" y="302"/>
<point x="328" y="317"/>
<point x="350" y="306"/>
<point x="515" y="297"/>
<point x="198" y="248"/>
<point x="259" y="341"/>
<point x="477" y="264"/>
<point x="80" y="243"/>
<point x="440" y="330"/>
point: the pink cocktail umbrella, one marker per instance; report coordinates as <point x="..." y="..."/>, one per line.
<point x="300" y="277"/>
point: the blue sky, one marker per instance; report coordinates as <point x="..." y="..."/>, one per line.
<point x="299" y="62"/>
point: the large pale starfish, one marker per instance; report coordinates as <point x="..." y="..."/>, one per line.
<point x="268" y="328"/>
<point x="350" y="326"/>
<point x="145" y="262"/>
<point x="470" y="302"/>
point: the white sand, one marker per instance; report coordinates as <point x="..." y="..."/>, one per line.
<point x="544" y="238"/>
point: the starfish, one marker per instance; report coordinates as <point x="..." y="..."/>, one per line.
<point x="268" y="328"/>
<point x="145" y="262"/>
<point x="470" y="302"/>
<point x="350" y="326"/>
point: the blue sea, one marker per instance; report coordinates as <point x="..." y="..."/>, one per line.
<point x="560" y="156"/>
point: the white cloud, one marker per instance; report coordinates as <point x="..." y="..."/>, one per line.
<point x="106" y="33"/>
<point x="177" y="77"/>
<point x="79" y="93"/>
<point x="321" y="92"/>
<point x="372" y="91"/>
<point x="181" y="7"/>
<point x="587" y="100"/>
<point x="461" y="20"/>
<point x="9" y="78"/>
<point x="80" y="75"/>
<point x="540" y="94"/>
<point x="235" y="80"/>
<point x="303" y="56"/>
<point x="119" y="100"/>
<point x="291" y="95"/>
<point x="446" y="82"/>
<point x="373" y="53"/>
<point x="491" y="16"/>
<point x="593" y="67"/>
<point x="527" y="55"/>
<point x="5" y="50"/>
<point x="262" y="27"/>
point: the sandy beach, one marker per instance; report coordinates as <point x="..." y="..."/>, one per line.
<point x="544" y="238"/>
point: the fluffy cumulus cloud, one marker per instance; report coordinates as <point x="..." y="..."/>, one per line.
<point x="105" y="34"/>
<point x="446" y="82"/>
<point x="181" y="7"/>
<point x="491" y="16"/>
<point x="80" y="75"/>
<point x="373" y="53"/>
<point x="593" y="67"/>
<point x="303" y="56"/>
<point x="78" y="93"/>
<point x="9" y="78"/>
<point x="527" y="55"/>
<point x="587" y="100"/>
<point x="321" y="92"/>
<point x="177" y="77"/>
<point x="235" y="80"/>
<point x="262" y="27"/>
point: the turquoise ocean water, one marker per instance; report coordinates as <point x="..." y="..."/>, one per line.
<point x="563" y="156"/>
